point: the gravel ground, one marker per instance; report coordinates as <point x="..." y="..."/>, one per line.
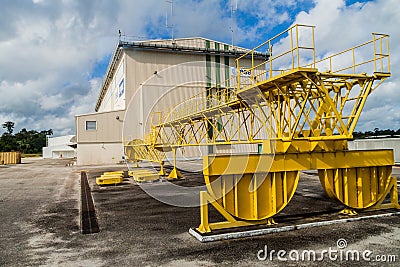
<point x="39" y="218"/>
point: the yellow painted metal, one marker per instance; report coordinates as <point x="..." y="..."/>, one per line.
<point x="231" y="222"/>
<point x="392" y="191"/>
<point x="10" y="158"/>
<point x="348" y="212"/>
<point x="253" y="196"/>
<point x="302" y="113"/>
<point x="264" y="163"/>
<point x="300" y="103"/>
<point x="357" y="188"/>
<point x="121" y="173"/>
<point x="321" y="100"/>
<point x="162" y="170"/>
<point x="109" y="178"/>
<point x="143" y="175"/>
<point x="254" y="187"/>
<point x="175" y="173"/>
<point x="137" y="150"/>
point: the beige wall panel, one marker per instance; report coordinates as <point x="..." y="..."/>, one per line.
<point x="109" y="129"/>
<point x="141" y="66"/>
<point x="108" y="153"/>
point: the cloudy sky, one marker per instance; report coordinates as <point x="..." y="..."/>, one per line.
<point x="54" y="53"/>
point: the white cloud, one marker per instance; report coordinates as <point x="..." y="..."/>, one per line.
<point x="48" y="48"/>
<point x="340" y="27"/>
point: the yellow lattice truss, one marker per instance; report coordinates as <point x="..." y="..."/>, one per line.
<point x="301" y="111"/>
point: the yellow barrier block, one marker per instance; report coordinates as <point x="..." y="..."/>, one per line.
<point x="143" y="175"/>
<point x="114" y="173"/>
<point x="107" y="180"/>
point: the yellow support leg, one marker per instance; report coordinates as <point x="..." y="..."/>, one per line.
<point x="271" y="221"/>
<point x="206" y="227"/>
<point x="175" y="173"/>
<point x="136" y="164"/>
<point x="394" y="198"/>
<point x="349" y="212"/>
<point x="162" y="170"/>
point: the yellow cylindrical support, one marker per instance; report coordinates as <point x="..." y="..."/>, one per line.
<point x="357" y="188"/>
<point x="254" y="196"/>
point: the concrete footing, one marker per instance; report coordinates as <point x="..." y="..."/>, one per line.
<point x="209" y="237"/>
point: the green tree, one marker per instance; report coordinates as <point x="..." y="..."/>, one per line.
<point x="9" y="125"/>
<point x="30" y="142"/>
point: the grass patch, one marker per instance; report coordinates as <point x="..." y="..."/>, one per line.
<point x="31" y="155"/>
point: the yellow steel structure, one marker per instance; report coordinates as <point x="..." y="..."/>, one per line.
<point x="301" y="112"/>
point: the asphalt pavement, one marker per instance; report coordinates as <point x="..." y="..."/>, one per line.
<point x="40" y="226"/>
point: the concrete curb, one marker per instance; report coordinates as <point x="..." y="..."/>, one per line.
<point x="258" y="232"/>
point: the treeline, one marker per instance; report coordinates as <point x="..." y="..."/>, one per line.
<point x="27" y="142"/>
<point x="376" y="133"/>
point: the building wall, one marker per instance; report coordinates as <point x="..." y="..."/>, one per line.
<point x="153" y="76"/>
<point x="58" y="152"/>
<point x="103" y="144"/>
<point x="142" y="65"/>
<point x="115" y="97"/>
<point x="99" y="153"/>
<point x="57" y="147"/>
<point x="386" y="143"/>
<point x="60" y="140"/>
<point x="140" y="79"/>
<point x="108" y="127"/>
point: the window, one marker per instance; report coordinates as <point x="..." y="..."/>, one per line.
<point x="91" y="125"/>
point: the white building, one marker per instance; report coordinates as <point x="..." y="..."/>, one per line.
<point x="60" y="147"/>
<point x="378" y="143"/>
<point x="144" y="78"/>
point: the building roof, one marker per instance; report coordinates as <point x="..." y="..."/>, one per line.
<point x="196" y="45"/>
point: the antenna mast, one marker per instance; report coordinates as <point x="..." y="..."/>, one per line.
<point x="234" y="8"/>
<point x="172" y="26"/>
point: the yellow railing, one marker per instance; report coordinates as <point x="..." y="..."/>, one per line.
<point x="300" y="54"/>
<point x="297" y="54"/>
<point x="211" y="98"/>
<point x="375" y="51"/>
<point x="284" y="60"/>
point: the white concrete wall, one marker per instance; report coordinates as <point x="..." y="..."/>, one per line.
<point x="386" y="143"/>
<point x="46" y="151"/>
<point x="58" y="147"/>
<point x="60" y="140"/>
<point x="99" y="153"/>
<point x="63" y="154"/>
